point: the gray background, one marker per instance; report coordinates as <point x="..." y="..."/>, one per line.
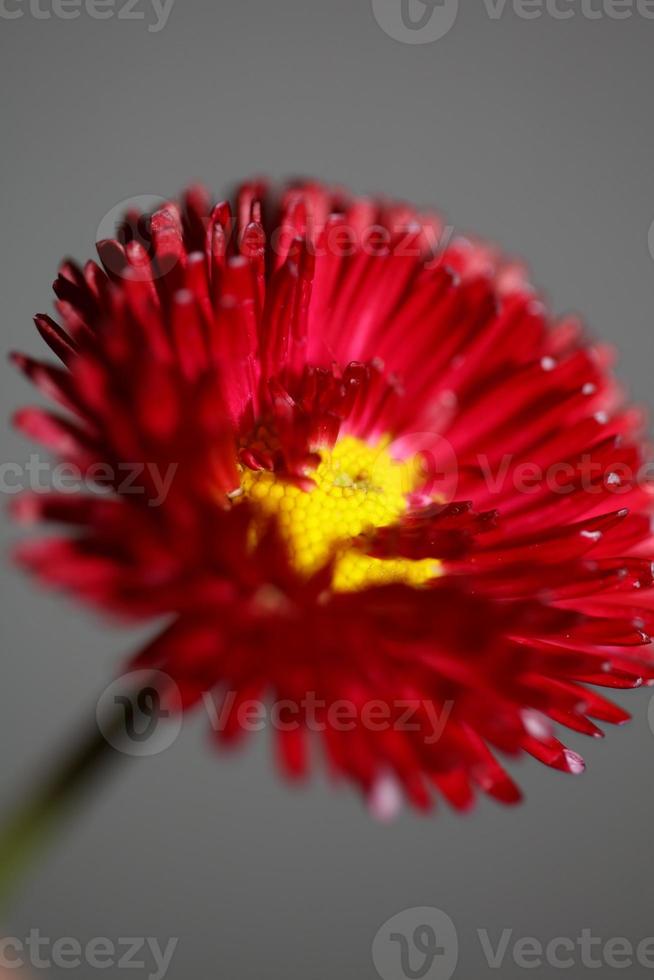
<point x="535" y="133"/>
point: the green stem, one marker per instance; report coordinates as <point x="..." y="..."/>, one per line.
<point x="27" y="831"/>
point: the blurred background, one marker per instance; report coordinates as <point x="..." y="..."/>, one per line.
<point x="535" y="132"/>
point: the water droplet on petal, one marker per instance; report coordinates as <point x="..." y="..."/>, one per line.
<point x="385" y="800"/>
<point x="575" y="763"/>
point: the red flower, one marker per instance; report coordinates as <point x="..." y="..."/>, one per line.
<point x="365" y="476"/>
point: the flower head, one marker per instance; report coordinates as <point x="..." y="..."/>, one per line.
<point x="363" y="474"/>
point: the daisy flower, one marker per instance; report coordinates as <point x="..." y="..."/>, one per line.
<point x="351" y="467"/>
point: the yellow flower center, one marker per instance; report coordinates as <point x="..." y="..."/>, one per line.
<point x="358" y="487"/>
